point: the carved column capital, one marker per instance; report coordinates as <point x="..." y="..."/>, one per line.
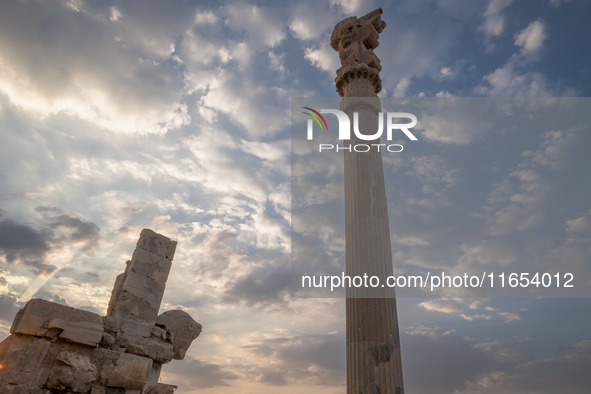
<point x="355" y="39"/>
<point x="347" y="76"/>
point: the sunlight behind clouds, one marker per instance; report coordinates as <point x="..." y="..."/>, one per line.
<point x="174" y="116"/>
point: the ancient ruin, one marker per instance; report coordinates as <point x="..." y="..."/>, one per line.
<point x="373" y="345"/>
<point x="355" y="39"/>
<point x="58" y="349"/>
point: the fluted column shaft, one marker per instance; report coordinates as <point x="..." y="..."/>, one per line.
<point x="373" y="346"/>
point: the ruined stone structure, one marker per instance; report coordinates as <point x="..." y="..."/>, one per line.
<point x="373" y="346"/>
<point x="58" y="349"/>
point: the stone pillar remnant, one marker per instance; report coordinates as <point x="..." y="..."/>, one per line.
<point x="58" y="349"/>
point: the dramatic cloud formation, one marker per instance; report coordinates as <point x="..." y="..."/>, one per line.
<point x="175" y="116"/>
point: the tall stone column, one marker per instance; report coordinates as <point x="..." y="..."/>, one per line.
<point x="373" y="346"/>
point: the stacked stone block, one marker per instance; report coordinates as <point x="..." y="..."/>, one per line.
<point x="138" y="291"/>
<point x="58" y="349"/>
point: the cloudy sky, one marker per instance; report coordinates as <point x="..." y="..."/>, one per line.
<point x="175" y="116"/>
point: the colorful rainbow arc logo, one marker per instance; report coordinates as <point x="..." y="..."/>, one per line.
<point x="315" y="118"/>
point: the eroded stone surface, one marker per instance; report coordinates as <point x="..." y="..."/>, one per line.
<point x="355" y="39"/>
<point x="373" y="347"/>
<point x="47" y="319"/>
<point x="56" y="348"/>
<point x="71" y="371"/>
<point x="183" y="329"/>
<point x="138" y="291"/>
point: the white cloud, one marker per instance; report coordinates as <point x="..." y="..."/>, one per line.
<point x="485" y="254"/>
<point x="493" y="24"/>
<point x="510" y="316"/>
<point x="401" y="87"/>
<point x="198" y="51"/>
<point x="323" y="57"/>
<point x="424" y="331"/>
<point x="443" y="93"/>
<point x="467" y="310"/>
<point x="515" y="78"/>
<point x="209" y="89"/>
<point x="433" y="172"/>
<point x="499" y="350"/>
<point x="277" y="61"/>
<point x="551" y="149"/>
<point x="525" y="190"/>
<point x="506" y="81"/>
<point x="475" y="317"/>
<point x="410" y="50"/>
<point x="88" y="73"/>
<point x="258" y="108"/>
<point x="442" y="306"/>
<point x="446" y="72"/>
<point x="220" y="172"/>
<point x="115" y="14"/>
<point x="440" y="121"/>
<point x="532" y="37"/>
<point x="551" y="375"/>
<point x="580" y="224"/>
<point x="264" y="26"/>
<point x="306" y="24"/>
<point x="352" y="7"/>
<point x="207" y="17"/>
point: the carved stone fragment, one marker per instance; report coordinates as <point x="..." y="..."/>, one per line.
<point x="355" y="39"/>
<point x="183" y="329"/>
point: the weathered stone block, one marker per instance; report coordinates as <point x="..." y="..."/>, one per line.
<point x="72" y="371"/>
<point x="24" y="390"/>
<point x="170" y="250"/>
<point x="153" y="377"/>
<point x="138" y="297"/>
<point x="79" y="332"/>
<point x="182" y="328"/>
<point x="46" y="319"/>
<point x="142" y="286"/>
<point x="135" y="308"/>
<point x="115" y="293"/>
<point x="128" y="371"/>
<point x="157" y="243"/>
<point x="155" y="348"/>
<point x="25" y="355"/>
<point x="161" y="388"/>
<point x="159" y="332"/>
<point x="150" y="265"/>
<point x="129" y="327"/>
